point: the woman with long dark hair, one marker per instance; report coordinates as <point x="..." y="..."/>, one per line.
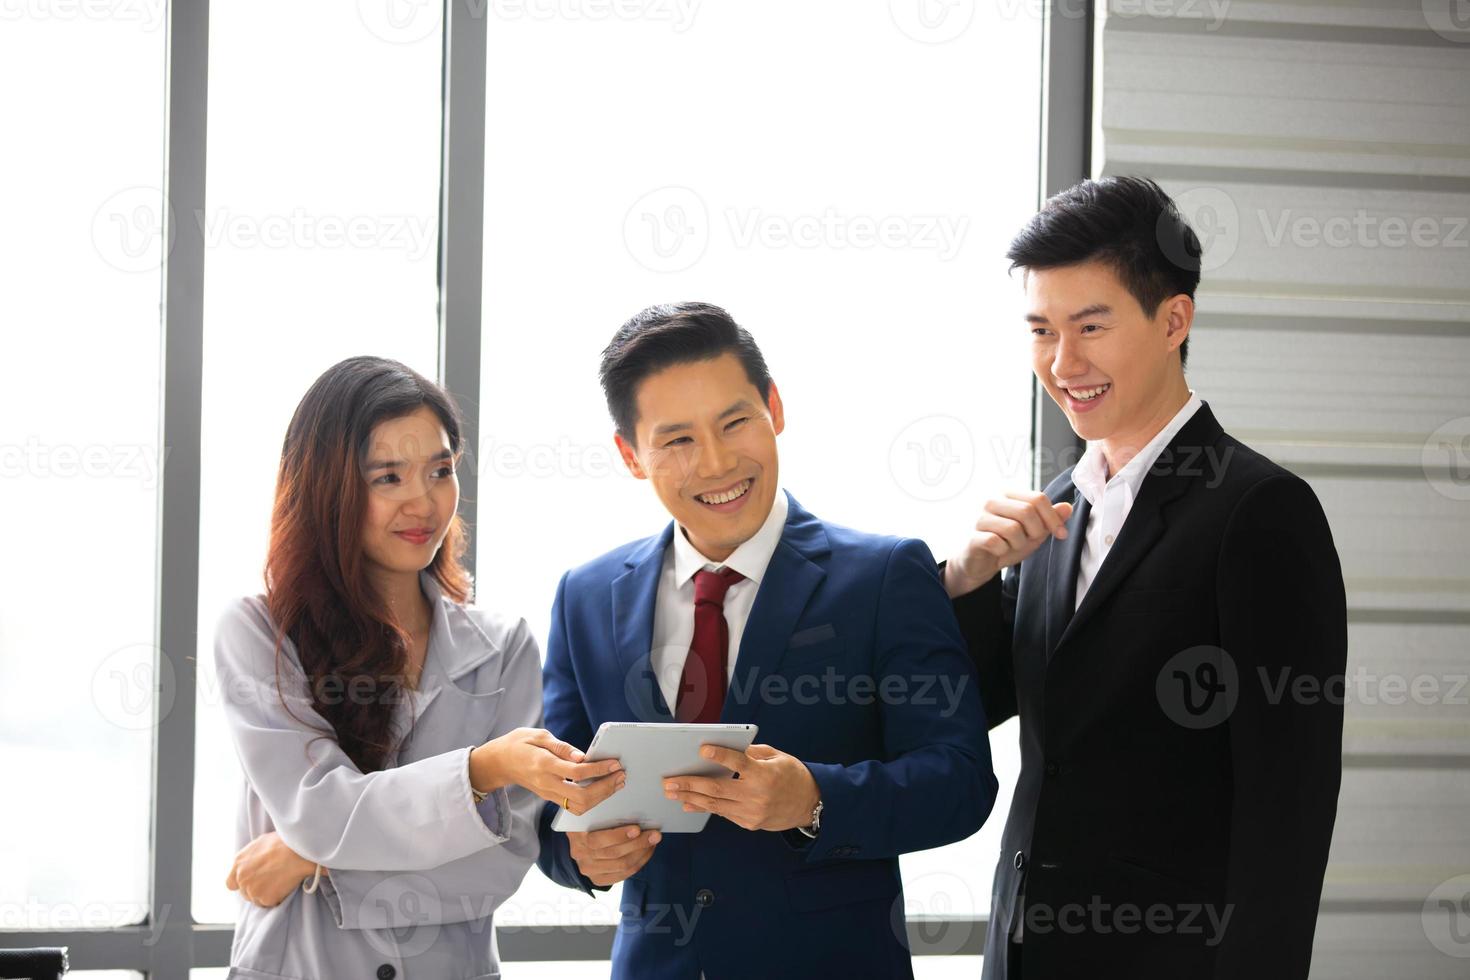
<point x="389" y="733"/>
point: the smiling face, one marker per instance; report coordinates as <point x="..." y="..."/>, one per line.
<point x="413" y="492"/>
<point x="707" y="443"/>
<point x="1111" y="367"/>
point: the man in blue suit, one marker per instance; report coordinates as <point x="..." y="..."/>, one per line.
<point x="841" y="646"/>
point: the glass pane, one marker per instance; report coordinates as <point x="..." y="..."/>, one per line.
<point x="844" y="179"/>
<point x="79" y="458"/>
<point x="321" y="231"/>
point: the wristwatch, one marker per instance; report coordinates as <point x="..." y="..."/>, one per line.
<point x="816" y="824"/>
<point x="478" y="796"/>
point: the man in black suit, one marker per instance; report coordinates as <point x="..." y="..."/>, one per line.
<point x="1171" y="632"/>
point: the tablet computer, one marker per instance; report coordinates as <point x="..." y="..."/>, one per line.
<point x="650" y="753"/>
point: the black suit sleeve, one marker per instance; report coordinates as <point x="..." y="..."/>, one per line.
<point x="987" y="617"/>
<point x="1283" y="618"/>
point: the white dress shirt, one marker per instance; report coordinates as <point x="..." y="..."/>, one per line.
<point x="673" y="612"/>
<point x="1111" y="499"/>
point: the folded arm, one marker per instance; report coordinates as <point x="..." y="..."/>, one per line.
<point x="473" y="886"/>
<point x="405" y="818"/>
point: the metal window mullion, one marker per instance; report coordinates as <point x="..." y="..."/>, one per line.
<point x="1066" y="147"/>
<point x="169" y="939"/>
<point x="461" y="230"/>
<point x="163" y="945"/>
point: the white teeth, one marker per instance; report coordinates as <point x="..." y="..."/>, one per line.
<point x="1087" y="394"/>
<point x="729" y="495"/>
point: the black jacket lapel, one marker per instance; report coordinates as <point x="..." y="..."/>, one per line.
<point x="1178" y="466"/>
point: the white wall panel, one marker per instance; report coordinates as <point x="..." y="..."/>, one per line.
<point x="1325" y="147"/>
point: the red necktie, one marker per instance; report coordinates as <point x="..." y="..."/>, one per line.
<point x="702" y="687"/>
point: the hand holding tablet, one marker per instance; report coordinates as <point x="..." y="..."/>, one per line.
<point x="650" y="753"/>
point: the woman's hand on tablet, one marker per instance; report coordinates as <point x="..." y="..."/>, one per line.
<point x="266" y="871"/>
<point x="606" y="857"/>
<point x="542" y="763"/>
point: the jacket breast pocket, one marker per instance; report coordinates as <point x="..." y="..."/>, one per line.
<point x="476" y="712"/>
<point x="812" y="646"/>
<point x="1150" y="602"/>
<point x="811" y="636"/>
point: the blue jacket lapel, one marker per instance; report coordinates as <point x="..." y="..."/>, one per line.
<point x="793" y="575"/>
<point x="634" y="595"/>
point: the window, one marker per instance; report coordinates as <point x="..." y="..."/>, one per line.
<point x="814" y="169"/>
<point x="321" y="239"/>
<point x="79" y="461"/>
<point x="843" y="178"/>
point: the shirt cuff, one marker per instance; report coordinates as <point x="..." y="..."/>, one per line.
<point x="495" y="812"/>
<point x="328" y="893"/>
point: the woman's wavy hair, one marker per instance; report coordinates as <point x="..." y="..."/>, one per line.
<point x="353" y="651"/>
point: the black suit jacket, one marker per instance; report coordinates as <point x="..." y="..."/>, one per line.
<point x="1181" y="732"/>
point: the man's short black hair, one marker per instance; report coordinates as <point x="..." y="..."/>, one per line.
<point x="1128" y="223"/>
<point x="668" y="334"/>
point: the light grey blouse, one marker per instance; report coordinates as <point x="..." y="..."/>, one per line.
<point x="416" y="868"/>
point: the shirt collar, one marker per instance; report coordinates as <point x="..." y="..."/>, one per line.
<point x="750" y="559"/>
<point x="1089" y="475"/>
<point x="457" y="644"/>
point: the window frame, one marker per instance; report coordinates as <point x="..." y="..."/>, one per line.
<point x="170" y="942"/>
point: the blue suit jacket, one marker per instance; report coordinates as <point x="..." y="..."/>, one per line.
<point x="851" y="661"/>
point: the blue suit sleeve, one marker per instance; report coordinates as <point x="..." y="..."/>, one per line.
<point x="566" y="718"/>
<point x="935" y="784"/>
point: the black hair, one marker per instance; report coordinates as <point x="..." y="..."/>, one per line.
<point x="662" y="336"/>
<point x="1128" y="223"/>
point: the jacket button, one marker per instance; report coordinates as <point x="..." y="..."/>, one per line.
<point x="1020" y="861"/>
<point x="704" y="897"/>
<point x="386" y="972"/>
<point x="1052" y="768"/>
